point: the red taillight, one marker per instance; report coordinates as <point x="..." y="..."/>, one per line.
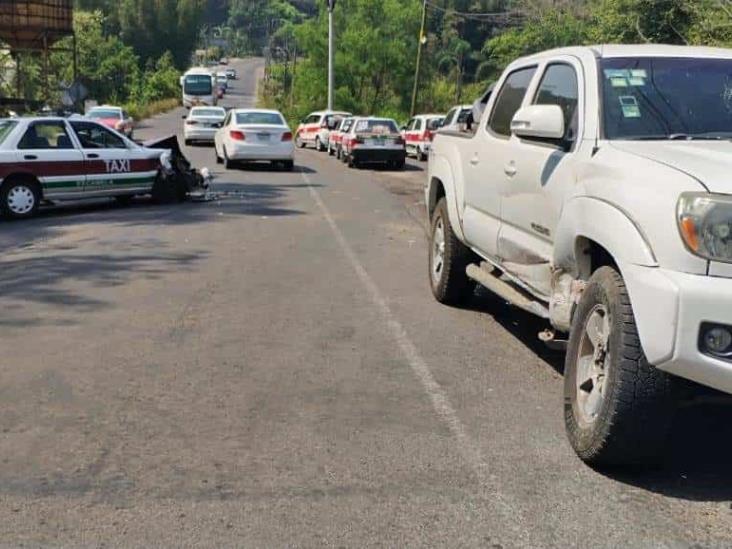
<point x="399" y="140"/>
<point x="236" y="135"/>
<point x="287" y="136"/>
<point x="428" y="135"/>
<point x="191" y="122"/>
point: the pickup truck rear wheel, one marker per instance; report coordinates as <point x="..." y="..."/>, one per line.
<point x="448" y="259"/>
<point x="618" y="409"/>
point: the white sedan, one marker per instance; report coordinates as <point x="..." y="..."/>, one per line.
<point x="252" y="135"/>
<point x="201" y="124"/>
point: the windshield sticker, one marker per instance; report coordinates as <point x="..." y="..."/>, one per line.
<point x="619" y="82"/>
<point x="638" y="73"/>
<point x="636" y="81"/>
<point x="629" y="105"/>
<point x="617" y="73"/>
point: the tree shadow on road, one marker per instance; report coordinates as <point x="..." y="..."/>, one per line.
<point x="61" y="280"/>
<point x="229" y="199"/>
<point x="697" y="457"/>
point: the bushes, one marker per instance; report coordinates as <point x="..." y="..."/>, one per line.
<point x="140" y="111"/>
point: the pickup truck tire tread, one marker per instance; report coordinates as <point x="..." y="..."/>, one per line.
<point x="454" y="286"/>
<point x="639" y="400"/>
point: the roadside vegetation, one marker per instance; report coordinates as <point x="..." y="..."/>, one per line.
<point x="129" y="52"/>
<point x="468" y="44"/>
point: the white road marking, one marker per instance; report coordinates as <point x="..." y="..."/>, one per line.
<point x="440" y="402"/>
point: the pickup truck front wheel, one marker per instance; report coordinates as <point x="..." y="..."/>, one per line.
<point x="448" y="259"/>
<point x="618" y="409"/>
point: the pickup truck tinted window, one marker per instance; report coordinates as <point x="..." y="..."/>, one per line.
<point x="559" y="87"/>
<point x="666" y="98"/>
<point x="509" y="100"/>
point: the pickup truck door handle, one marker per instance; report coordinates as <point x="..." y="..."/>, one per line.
<point x="92" y="155"/>
<point x="475" y="160"/>
<point x="510" y="169"/>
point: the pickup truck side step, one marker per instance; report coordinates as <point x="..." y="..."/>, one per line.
<point x="510" y="293"/>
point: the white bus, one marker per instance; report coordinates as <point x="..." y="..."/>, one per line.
<point x="199" y="87"/>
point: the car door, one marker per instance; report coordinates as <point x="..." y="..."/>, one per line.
<point x="414" y="134"/>
<point x="111" y="166"/>
<point x="541" y="177"/>
<point x="485" y="160"/>
<point x="219" y="137"/>
<point x="48" y="152"/>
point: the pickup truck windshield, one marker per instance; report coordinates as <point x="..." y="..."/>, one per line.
<point x="197" y="84"/>
<point x="666" y="98"/>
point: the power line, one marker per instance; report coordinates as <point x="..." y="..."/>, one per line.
<point x="482" y="17"/>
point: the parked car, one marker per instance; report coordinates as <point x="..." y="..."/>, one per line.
<point x="458" y="119"/>
<point x="373" y="140"/>
<point x="315" y="129"/>
<point x="231" y="74"/>
<point x="596" y="194"/>
<point x="45" y="159"/>
<point x="250" y="135"/>
<point x="418" y="134"/>
<point x="115" y="118"/>
<point x="201" y="124"/>
<point x="336" y="135"/>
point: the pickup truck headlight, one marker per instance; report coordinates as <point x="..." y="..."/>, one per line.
<point x="705" y="224"/>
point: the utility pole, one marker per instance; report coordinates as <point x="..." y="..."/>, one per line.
<point x="331" y="54"/>
<point x="422" y="40"/>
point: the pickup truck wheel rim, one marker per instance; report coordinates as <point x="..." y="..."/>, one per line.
<point x="21" y="199"/>
<point x="592" y="364"/>
<point x="438" y="251"/>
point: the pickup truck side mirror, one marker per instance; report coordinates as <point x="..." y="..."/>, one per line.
<point x="539" y="122"/>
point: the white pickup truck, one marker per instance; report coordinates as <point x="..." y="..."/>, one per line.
<point x="597" y="193"/>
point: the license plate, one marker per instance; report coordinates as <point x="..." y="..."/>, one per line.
<point x="263" y="136"/>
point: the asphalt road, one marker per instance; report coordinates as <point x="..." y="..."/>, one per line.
<point x="269" y="369"/>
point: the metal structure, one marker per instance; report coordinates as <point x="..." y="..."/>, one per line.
<point x="35" y="27"/>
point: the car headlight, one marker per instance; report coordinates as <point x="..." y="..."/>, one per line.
<point x="705" y="224"/>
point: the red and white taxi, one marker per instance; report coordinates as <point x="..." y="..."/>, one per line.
<point x="50" y="159"/>
<point x="373" y="140"/>
<point x="316" y="127"/>
<point x="115" y="118"/>
<point x="336" y="136"/>
<point x="418" y="134"/>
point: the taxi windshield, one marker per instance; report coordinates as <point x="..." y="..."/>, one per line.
<point x="376" y="126"/>
<point x="104" y="113"/>
<point x="658" y="98"/>
<point x="6" y="126"/>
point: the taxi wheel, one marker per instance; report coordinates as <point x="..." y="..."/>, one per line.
<point x="319" y="145"/>
<point x="299" y="142"/>
<point x="19" y="198"/>
<point x="219" y="160"/>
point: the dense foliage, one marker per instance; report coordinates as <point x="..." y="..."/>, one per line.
<point x="464" y="51"/>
